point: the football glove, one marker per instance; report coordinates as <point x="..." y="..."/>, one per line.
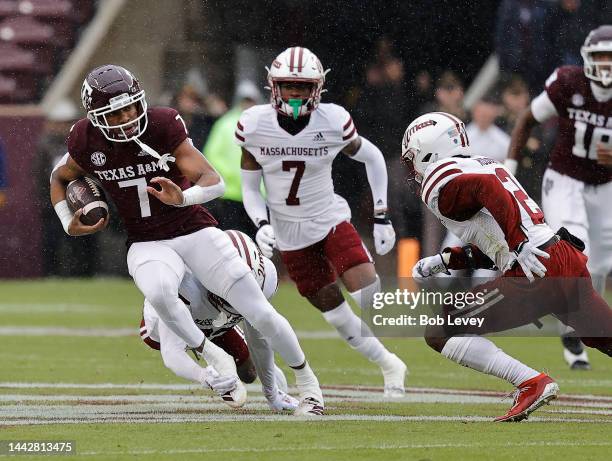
<point x="220" y="384"/>
<point x="431" y="265"/>
<point x="266" y="240"/>
<point x="384" y="235"/>
<point x="526" y="254"/>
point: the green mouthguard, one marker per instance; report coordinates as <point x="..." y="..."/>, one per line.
<point x="295" y="104"/>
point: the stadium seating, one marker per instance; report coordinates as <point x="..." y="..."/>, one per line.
<point x="36" y="36"/>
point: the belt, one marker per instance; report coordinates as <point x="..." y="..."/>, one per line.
<point x="553" y="240"/>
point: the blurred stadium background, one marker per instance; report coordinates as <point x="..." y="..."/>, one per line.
<point x="389" y="60"/>
<point x="70" y="352"/>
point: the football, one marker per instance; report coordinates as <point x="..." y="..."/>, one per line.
<point x="87" y="194"/>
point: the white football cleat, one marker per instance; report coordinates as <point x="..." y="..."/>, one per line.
<point x="309" y="406"/>
<point x="394" y="373"/>
<point x="224" y="364"/>
<point x="284" y="402"/>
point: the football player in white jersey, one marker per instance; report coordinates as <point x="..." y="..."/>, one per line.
<point x="292" y="143"/>
<point x="482" y="203"/>
<point x="219" y="322"/>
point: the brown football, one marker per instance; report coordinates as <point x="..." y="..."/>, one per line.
<point x="87" y="194"/>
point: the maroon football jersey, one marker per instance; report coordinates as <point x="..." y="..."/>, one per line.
<point x="125" y="170"/>
<point x="583" y="122"/>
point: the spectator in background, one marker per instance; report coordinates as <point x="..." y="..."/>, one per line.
<point x="198" y="112"/>
<point x="515" y="99"/>
<point x="224" y="154"/>
<point x="448" y="96"/>
<point x="520" y="41"/>
<point x="3" y="176"/>
<point x="566" y="25"/>
<point x="62" y="255"/>
<point x="380" y="114"/>
<point x="485" y="137"/>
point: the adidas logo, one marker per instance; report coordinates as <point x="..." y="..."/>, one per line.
<point x="318" y="137"/>
<point x="142" y="153"/>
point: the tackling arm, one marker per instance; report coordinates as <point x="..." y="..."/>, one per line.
<point x="263" y="359"/>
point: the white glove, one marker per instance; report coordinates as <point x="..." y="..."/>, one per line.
<point x="384" y="238"/>
<point x="266" y="240"/>
<point x="283" y="402"/>
<point x="526" y="254"/>
<point x="429" y="266"/>
<point x="220" y="384"/>
<point x="512" y="165"/>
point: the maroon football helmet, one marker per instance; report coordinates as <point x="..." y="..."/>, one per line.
<point x="598" y="41"/>
<point x="107" y="89"/>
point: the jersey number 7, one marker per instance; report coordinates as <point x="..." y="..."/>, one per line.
<point x="299" y="165"/>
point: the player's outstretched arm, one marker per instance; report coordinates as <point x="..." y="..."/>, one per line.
<point x="364" y="151"/>
<point x="518" y="140"/>
<point x="208" y="185"/>
<point x="65" y="171"/>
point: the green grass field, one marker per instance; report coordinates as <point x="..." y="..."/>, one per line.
<point x="73" y="368"/>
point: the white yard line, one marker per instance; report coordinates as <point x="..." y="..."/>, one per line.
<point x="112" y="332"/>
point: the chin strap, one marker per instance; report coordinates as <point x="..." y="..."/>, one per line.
<point x="162" y="160"/>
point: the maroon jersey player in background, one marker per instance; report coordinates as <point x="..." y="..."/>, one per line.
<point x="157" y="179"/>
<point x="577" y="186"/>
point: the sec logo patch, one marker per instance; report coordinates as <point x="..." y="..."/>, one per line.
<point x="98" y="158"/>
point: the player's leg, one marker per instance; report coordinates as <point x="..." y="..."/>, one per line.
<point x="597" y="200"/>
<point x="351" y="260"/>
<point x="215" y="262"/>
<point x="233" y="342"/>
<point x="498" y="312"/>
<point x="157" y="271"/>
<point x="563" y="203"/>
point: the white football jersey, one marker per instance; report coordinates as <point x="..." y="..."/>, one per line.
<point x="297" y="170"/>
<point x="482" y="229"/>
<point x="211" y="313"/>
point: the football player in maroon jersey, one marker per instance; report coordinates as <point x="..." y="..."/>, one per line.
<point x="543" y="272"/>
<point x="147" y="164"/>
<point x="577" y="186"/>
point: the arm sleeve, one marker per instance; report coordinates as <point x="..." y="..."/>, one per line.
<point x="263" y="359"/>
<point x="468" y="193"/>
<point x="175" y="357"/>
<point x="542" y="107"/>
<point x="254" y="203"/>
<point x="376" y="170"/>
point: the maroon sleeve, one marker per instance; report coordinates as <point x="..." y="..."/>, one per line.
<point x="77" y="141"/>
<point x="171" y="127"/>
<point x="468" y="193"/>
<point x="557" y="87"/>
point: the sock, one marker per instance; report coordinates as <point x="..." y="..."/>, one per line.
<point x="179" y="320"/>
<point x="356" y="333"/>
<point x="364" y="296"/>
<point x="305" y="379"/>
<point x="482" y="355"/>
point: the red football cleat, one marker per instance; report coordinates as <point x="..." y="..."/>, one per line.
<point x="529" y="396"/>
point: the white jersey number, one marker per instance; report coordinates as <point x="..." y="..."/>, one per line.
<point x="586" y="138"/>
<point x="143" y="195"/>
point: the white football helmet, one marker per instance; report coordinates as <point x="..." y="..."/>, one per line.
<point x="598" y="41"/>
<point x="296" y="64"/>
<point x="262" y="268"/>
<point x="432" y="137"/>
